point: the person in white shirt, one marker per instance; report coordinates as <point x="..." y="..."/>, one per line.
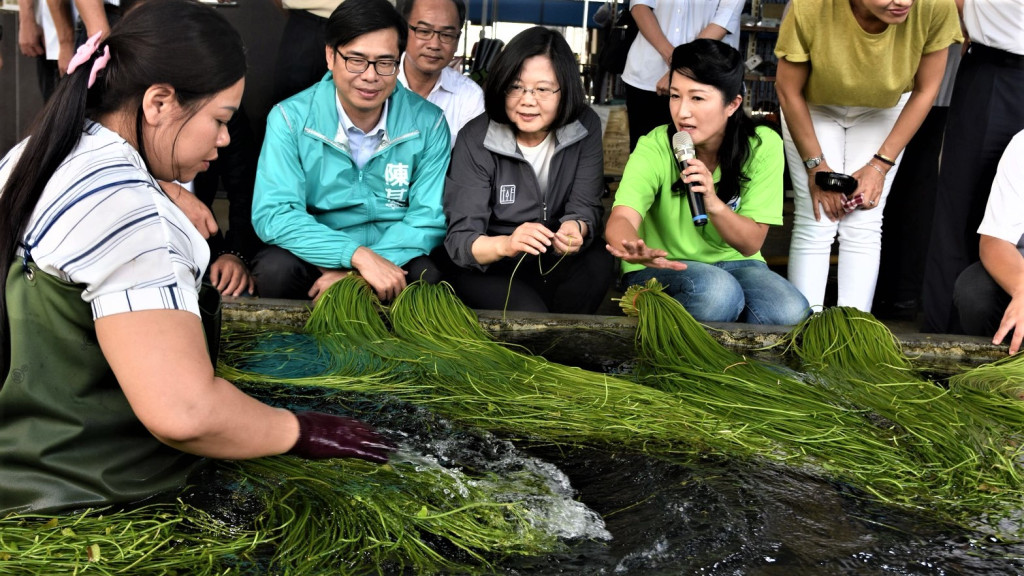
<point x="990" y="294"/>
<point x="665" y="24"/>
<point x="984" y="113"/>
<point x="38" y="38"/>
<point x="434" y="30"/>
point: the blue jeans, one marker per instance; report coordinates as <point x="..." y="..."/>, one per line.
<point x="734" y="291"/>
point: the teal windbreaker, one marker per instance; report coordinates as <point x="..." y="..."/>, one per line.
<point x="312" y="200"/>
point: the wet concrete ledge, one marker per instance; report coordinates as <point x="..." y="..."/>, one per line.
<point x="607" y="341"/>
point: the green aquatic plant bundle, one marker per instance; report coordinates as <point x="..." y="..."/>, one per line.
<point x="351" y="516"/>
<point x="488" y="384"/>
<point x="166" y="538"/>
<point x="809" y="425"/>
<point x="339" y="344"/>
<point x="966" y="450"/>
<point x="362" y="320"/>
<point x="842" y="339"/>
<point x="305" y="517"/>
<point x="997" y="389"/>
<point x="451" y="366"/>
<point x="1004" y="377"/>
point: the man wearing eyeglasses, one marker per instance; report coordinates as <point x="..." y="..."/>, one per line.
<point x="434" y="30"/>
<point x="352" y="169"/>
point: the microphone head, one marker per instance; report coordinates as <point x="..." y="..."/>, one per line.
<point x="682" y="146"/>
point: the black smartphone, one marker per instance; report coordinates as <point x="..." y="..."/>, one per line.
<point x="836" y="182"/>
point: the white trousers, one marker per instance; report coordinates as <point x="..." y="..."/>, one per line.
<point x="849" y="136"/>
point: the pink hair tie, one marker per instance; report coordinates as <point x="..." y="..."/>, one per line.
<point x="85" y="52"/>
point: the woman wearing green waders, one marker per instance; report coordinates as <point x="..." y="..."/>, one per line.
<point x="109" y="393"/>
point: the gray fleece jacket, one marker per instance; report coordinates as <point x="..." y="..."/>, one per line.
<point x="491" y="189"/>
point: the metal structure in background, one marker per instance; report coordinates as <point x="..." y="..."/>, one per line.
<point x="543" y="12"/>
<point x="560" y="13"/>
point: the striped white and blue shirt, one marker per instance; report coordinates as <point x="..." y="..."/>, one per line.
<point x="103" y="222"/>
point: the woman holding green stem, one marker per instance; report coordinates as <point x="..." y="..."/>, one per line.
<point x="109" y="393"/>
<point x="523" y="192"/>
<point x="715" y="271"/>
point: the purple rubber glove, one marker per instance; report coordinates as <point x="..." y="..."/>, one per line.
<point x="328" y="436"/>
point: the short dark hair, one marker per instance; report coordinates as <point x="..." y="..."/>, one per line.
<point x="536" y="41"/>
<point x="353" y="18"/>
<point x="405" y="7"/>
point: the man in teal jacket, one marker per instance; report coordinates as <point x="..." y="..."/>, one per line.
<point x="352" y="169"/>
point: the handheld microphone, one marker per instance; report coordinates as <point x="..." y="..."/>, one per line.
<point x="682" y="148"/>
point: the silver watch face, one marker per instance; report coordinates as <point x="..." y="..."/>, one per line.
<point x="812" y="162"/>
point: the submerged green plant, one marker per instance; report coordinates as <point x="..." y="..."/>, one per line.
<point x="1004" y="377"/>
<point x="967" y="449"/>
<point x="152" y="539"/>
<point x="997" y="390"/>
<point x="286" y="515"/>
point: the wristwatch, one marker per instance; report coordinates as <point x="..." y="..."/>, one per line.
<point x="813" y="162"/>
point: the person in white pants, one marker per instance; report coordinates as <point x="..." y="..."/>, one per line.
<point x="855" y="81"/>
<point x="848" y="135"/>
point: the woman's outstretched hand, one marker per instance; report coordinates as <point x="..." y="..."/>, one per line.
<point x="329" y="436"/>
<point x="638" y="252"/>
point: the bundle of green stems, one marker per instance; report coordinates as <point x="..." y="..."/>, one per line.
<point x="860" y="413"/>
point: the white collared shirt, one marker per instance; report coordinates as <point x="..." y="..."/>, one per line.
<point x="1004" y="213"/>
<point x="996" y="23"/>
<point x="680" y="21"/>
<point x="361" y="145"/>
<point x="457" y="96"/>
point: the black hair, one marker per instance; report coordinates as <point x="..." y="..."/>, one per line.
<point x="406" y="6"/>
<point x="353" y="18"/>
<point x="536" y="41"/>
<point x="177" y="42"/>
<point x="717" y="64"/>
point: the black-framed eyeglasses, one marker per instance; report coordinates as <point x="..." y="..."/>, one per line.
<point x="517" y="91"/>
<point x="358" y="64"/>
<point x="426" y="34"/>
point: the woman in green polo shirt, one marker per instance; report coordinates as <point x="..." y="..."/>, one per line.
<point x="715" y="270"/>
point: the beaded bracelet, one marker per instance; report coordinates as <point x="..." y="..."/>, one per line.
<point x="234" y="253"/>
<point x="885" y="159"/>
<point x="877" y="168"/>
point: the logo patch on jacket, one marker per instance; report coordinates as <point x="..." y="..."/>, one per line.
<point x="507" y="194"/>
<point x="734" y="203"/>
<point x="396" y="179"/>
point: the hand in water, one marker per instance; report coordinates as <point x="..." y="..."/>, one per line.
<point x="328" y="436"/>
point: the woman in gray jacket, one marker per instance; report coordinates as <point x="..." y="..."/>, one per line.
<point x="523" y="192"/>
